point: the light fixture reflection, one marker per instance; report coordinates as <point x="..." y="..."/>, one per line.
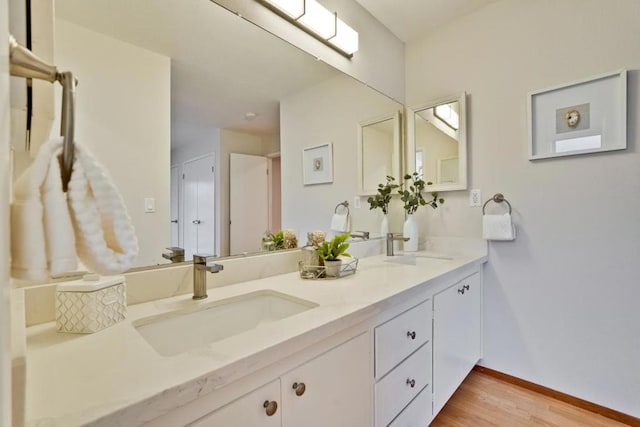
<point x="293" y="8"/>
<point x="318" y="21"/>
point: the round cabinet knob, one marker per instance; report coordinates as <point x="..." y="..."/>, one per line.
<point x="411" y="334"/>
<point x="271" y="407"/>
<point x="300" y="388"/>
<point x="461" y="290"/>
<point x="196" y="221"/>
<point x="411" y="382"/>
<point x="465" y="287"/>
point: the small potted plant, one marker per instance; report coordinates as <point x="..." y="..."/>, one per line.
<point x="413" y="199"/>
<point x="381" y="201"/>
<point x="330" y="251"/>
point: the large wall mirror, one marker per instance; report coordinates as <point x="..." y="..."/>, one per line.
<point x="437" y="141"/>
<point x="379" y="148"/>
<point x="189" y="107"/>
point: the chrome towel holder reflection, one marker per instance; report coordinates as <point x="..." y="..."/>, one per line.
<point x="497" y="198"/>
<point x="23" y="63"/>
<point x="344" y="204"/>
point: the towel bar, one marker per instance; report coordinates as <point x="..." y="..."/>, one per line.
<point x="497" y="198"/>
<point x="23" y="63"/>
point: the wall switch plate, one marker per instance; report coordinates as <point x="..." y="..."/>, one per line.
<point x="475" y="198"/>
<point x="149" y="204"/>
<point x="356" y="202"/>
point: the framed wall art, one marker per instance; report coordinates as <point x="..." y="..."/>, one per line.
<point x="587" y="116"/>
<point x="317" y="164"/>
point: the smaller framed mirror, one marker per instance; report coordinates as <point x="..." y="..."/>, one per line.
<point x="437" y="142"/>
<point x="379" y="154"/>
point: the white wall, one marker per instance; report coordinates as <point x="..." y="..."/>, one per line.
<point x="5" y="356"/>
<point x="561" y="302"/>
<point x="435" y="145"/>
<point x="123" y="116"/>
<point x="379" y="62"/>
<point x="328" y="112"/>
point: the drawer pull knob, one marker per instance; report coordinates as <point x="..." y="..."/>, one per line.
<point x="411" y="383"/>
<point x="300" y="388"/>
<point x="465" y="287"/>
<point x="270" y="407"/>
<point x="411" y="334"/>
<point x="461" y="290"/>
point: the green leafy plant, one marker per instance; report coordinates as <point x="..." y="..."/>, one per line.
<point x="383" y="198"/>
<point x="330" y="250"/>
<point x="412" y="196"/>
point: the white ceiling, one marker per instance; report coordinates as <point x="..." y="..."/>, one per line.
<point x="412" y="19"/>
<point x="221" y="65"/>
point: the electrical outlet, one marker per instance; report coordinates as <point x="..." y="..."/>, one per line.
<point x="356" y="202"/>
<point x="475" y="198"/>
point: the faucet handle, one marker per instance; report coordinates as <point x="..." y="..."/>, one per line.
<point x="212" y="267"/>
<point x="202" y="258"/>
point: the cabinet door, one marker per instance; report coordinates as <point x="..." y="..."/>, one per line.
<point x="456" y="336"/>
<point x="333" y="389"/>
<point x="251" y="410"/>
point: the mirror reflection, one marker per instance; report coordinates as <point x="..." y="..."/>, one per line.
<point x="183" y="104"/>
<point x="438" y="133"/>
<point x="379" y="152"/>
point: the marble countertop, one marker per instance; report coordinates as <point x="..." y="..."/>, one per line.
<point x="115" y="375"/>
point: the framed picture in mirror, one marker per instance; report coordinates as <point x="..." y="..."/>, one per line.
<point x="317" y="164"/>
<point x="437" y="142"/>
<point x="587" y="116"/>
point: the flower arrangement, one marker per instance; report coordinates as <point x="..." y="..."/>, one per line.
<point x="382" y="199"/>
<point x="412" y="196"/>
<point x="282" y="239"/>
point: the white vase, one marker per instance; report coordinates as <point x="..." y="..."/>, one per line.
<point x="384" y="225"/>
<point x="332" y="268"/>
<point x="410" y="230"/>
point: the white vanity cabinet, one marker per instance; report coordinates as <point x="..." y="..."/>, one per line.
<point x="258" y="408"/>
<point x="331" y="389"/>
<point x="457" y="336"/>
<point x="403" y="367"/>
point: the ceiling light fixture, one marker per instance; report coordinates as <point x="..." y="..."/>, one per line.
<point x="318" y="21"/>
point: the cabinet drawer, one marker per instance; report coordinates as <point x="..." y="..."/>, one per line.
<point x="394" y="391"/>
<point x="399" y="337"/>
<point x="418" y="413"/>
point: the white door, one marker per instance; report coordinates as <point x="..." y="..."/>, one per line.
<point x="260" y="408"/>
<point x="456" y="336"/>
<point x="248" y="202"/>
<point x="334" y="389"/>
<point x="199" y="206"/>
<point x="175" y="206"/>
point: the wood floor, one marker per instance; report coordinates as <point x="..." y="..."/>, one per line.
<point x="483" y="400"/>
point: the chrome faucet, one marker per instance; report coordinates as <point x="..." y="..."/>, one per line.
<point x="200" y="268"/>
<point x="391" y="237"/>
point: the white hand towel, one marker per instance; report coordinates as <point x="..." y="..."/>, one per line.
<point x="49" y="227"/>
<point x="105" y="237"/>
<point x="498" y="227"/>
<point x="340" y="222"/>
<point x="42" y="238"/>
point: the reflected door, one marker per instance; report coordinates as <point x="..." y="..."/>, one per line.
<point x="199" y="206"/>
<point x="175" y="205"/>
<point x="248" y="202"/>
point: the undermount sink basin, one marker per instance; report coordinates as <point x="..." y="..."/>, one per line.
<point x="421" y="259"/>
<point x="182" y="330"/>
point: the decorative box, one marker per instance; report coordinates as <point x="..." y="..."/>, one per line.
<point x="91" y="304"/>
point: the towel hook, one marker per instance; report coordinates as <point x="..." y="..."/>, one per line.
<point x="23" y="63"/>
<point x="497" y="198"/>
